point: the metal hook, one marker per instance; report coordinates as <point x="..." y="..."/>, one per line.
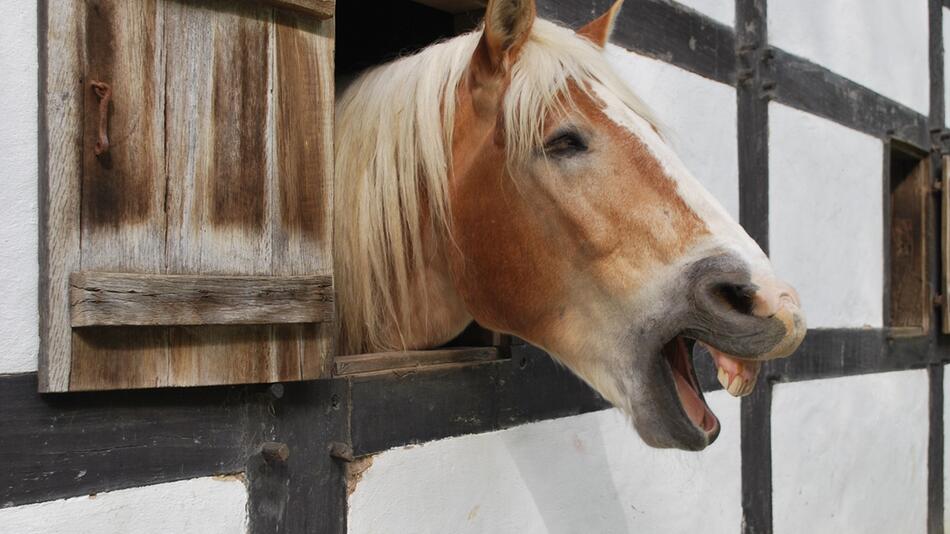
<point x="104" y="92"/>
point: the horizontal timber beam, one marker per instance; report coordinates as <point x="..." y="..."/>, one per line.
<point x="121" y="299"/>
<point x="56" y="446"/>
<point x="694" y="42"/>
<point x="402" y="362"/>
<point x="806" y="86"/>
<point x="322" y="9"/>
<point x="659" y="29"/>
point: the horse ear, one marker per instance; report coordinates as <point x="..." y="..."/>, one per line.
<point x="599" y="30"/>
<point x="507" y="26"/>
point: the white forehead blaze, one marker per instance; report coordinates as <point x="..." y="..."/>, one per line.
<point x="726" y="232"/>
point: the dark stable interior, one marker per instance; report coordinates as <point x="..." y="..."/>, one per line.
<point x="378" y="31"/>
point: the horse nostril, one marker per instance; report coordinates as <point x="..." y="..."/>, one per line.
<point x="739" y="297"/>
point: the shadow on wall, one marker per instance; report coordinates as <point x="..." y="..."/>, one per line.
<point x="573" y="492"/>
<point x="592" y="473"/>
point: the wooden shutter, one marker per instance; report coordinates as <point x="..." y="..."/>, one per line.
<point x="197" y="249"/>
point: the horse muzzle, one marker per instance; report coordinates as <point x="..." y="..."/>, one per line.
<point x="743" y="319"/>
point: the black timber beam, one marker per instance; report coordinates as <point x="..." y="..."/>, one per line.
<point x="67" y="445"/>
<point x="683" y="37"/>
<point x="662" y="30"/>
<point x="803" y="85"/>
<point x="752" y="106"/>
<point x="57" y="446"/>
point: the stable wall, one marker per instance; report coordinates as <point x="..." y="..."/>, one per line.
<point x="523" y="476"/>
<point x="19" y="268"/>
<point x="827" y="180"/>
<point x="204" y="505"/>
<point x="881" y="44"/>
<point x="850" y="454"/>
<point x="589" y="473"/>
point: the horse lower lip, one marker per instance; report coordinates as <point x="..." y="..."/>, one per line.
<point x="679" y="357"/>
<point x="738" y="377"/>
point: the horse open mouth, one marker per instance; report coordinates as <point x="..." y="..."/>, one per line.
<point x="737" y="376"/>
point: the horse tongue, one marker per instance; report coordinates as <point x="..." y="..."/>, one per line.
<point x="736" y="376"/>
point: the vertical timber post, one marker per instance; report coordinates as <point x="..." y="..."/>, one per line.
<point x="935" y="446"/>
<point x="295" y="486"/>
<point x="753" y="89"/>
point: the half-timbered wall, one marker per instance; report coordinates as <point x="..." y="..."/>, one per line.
<point x="847" y="436"/>
<point x="847" y="454"/>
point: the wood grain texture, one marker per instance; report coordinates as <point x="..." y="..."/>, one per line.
<point x="121" y="299"/>
<point x="217" y="124"/>
<point x="361" y="364"/>
<point x="303" y="172"/>
<point x="220" y="166"/>
<point x="321" y="9"/>
<point x="61" y="144"/>
<point x="910" y="298"/>
<point x="123" y="191"/>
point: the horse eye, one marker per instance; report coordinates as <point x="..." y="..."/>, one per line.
<point x="565" y="144"/>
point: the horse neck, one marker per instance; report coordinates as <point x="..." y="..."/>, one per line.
<point x="438" y="302"/>
<point x="438" y="313"/>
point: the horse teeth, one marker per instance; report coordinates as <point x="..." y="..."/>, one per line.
<point x="737" y="385"/>
<point x="723" y="377"/>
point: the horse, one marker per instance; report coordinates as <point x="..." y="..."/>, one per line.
<point x="510" y="177"/>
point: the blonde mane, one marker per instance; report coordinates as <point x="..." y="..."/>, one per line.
<point x="393" y="159"/>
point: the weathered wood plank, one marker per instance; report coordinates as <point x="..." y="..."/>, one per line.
<point x="302" y="204"/>
<point x="220" y="165"/>
<point x="123" y="190"/>
<point x="121" y="299"/>
<point x="322" y="9"/>
<point x="910" y="298"/>
<point x="61" y="144"/>
<point x="392" y="361"/>
<point x="217" y="123"/>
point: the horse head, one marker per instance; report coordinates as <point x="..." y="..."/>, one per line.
<point x="561" y="215"/>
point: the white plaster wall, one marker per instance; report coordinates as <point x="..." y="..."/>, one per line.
<point x="723" y="11"/>
<point x="881" y="44"/>
<point x="826" y="217"/>
<point x="199" y="506"/>
<point x="850" y="454"/>
<point x="18" y="194"/>
<point x="697" y="115"/>
<point x="589" y="473"/>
